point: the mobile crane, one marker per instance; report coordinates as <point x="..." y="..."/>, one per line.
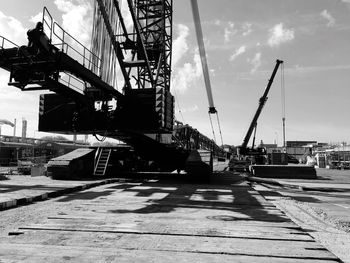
<point x="257" y="153"/>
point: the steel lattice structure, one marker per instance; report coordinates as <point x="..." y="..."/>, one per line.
<point x="142" y="48"/>
<point x="155" y="22"/>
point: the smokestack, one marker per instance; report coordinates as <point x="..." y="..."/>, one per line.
<point x="24" y="128"/>
<point x="14" y="128"/>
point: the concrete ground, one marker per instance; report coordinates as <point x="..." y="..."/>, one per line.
<point x="328" y="195"/>
<point x="321" y="206"/>
<point x="23" y="189"/>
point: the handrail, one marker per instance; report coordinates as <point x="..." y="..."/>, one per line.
<point x="49" y="24"/>
<point x="69" y="82"/>
<point x="87" y="56"/>
<point x="5" y="40"/>
<point x="88" y="59"/>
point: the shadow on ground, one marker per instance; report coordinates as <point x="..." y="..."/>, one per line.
<point x="239" y="199"/>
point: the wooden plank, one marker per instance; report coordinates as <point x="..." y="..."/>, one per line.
<point x="181" y="244"/>
<point x="189" y="222"/>
<point x="58" y="254"/>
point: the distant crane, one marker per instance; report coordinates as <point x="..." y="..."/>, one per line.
<point x="244" y="149"/>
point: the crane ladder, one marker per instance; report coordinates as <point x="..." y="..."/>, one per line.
<point x="102" y="161"/>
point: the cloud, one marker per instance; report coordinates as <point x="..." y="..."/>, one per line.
<point x="180" y="46"/>
<point x="190" y="109"/>
<point x="247" y="29"/>
<point x="326" y="15"/>
<point x="13" y="102"/>
<point x="36" y="18"/>
<point x="255" y="62"/>
<point x="238" y="52"/>
<point x="217" y="22"/>
<point x="229" y="31"/>
<point x="278" y="35"/>
<point x="12" y="29"/>
<point x="126" y="14"/>
<point x="297" y="69"/>
<point x="187" y="74"/>
<point x="76" y="18"/>
<point x="346" y="1"/>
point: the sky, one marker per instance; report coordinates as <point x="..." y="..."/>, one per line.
<point x="243" y="39"/>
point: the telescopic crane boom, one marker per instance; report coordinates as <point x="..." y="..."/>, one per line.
<point x="202" y="53"/>
<point x="203" y="56"/>
<point x="262" y="102"/>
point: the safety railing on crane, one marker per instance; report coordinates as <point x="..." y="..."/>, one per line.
<point x="72" y="82"/>
<point x="69" y="45"/>
<point x="5" y="43"/>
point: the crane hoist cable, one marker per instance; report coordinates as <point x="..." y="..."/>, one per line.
<point x="212" y="127"/>
<point x="178" y="105"/>
<point x="202" y="53"/>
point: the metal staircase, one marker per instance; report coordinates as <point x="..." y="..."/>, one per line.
<point x="102" y="161"/>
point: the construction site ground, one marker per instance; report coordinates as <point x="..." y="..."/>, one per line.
<point x="169" y="219"/>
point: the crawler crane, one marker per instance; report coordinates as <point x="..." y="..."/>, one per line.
<point x="118" y="89"/>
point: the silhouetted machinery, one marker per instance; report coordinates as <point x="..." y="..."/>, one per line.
<point x="119" y="89"/>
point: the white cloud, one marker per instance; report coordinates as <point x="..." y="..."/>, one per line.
<point x="217" y="22"/>
<point x="238" y="52"/>
<point x="126" y="14"/>
<point x="212" y="72"/>
<point x="12" y="29"/>
<point x="187" y="74"/>
<point x="278" y="35"/>
<point x="229" y="31"/>
<point x="247" y="29"/>
<point x="326" y="15"/>
<point x="13" y="102"/>
<point x="346" y="1"/>
<point x="190" y="109"/>
<point x="77" y="18"/>
<point x="180" y="46"/>
<point x="255" y="62"/>
<point x="37" y="18"/>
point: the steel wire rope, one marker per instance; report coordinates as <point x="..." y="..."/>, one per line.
<point x="212" y="127"/>
<point x="178" y="105"/>
<point x="219" y="126"/>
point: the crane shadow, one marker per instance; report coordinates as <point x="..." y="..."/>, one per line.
<point x="230" y="203"/>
